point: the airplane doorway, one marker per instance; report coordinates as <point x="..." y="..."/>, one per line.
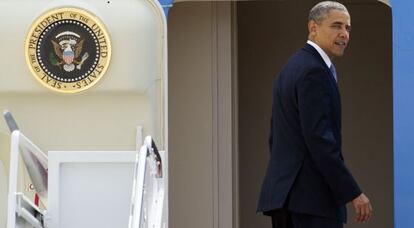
<point x="267" y="34"/>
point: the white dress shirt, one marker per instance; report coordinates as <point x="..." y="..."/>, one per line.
<point x="322" y="53"/>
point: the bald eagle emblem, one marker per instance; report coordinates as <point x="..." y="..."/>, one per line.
<point x="67" y="47"/>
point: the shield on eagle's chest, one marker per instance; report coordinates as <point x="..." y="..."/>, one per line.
<point x="68" y="56"/>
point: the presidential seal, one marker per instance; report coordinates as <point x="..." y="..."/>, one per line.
<point x="68" y="50"/>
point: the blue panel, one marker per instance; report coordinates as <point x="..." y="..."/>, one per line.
<point x="166" y="5"/>
<point x="403" y="79"/>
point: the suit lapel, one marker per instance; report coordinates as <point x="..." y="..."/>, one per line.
<point x="315" y="53"/>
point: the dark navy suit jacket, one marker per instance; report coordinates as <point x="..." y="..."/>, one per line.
<point x="306" y="172"/>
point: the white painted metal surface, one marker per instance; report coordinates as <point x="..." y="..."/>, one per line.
<point x="148" y="192"/>
<point x="132" y="93"/>
<point x="20" y="211"/>
<point x="90" y="188"/>
<point x="3" y="195"/>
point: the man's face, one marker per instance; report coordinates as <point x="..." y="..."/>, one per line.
<point x="332" y="34"/>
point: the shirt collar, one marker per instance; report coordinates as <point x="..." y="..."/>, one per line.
<point x="321" y="52"/>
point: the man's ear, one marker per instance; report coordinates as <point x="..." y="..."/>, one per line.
<point x="312" y="27"/>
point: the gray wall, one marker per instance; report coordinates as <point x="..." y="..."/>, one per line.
<point x="268" y="33"/>
<point x="190" y="115"/>
<point x="200" y="83"/>
<point x="201" y="120"/>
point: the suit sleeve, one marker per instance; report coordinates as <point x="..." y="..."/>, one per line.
<point x="271" y="136"/>
<point x="317" y="116"/>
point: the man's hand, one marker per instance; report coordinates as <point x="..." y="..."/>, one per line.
<point x="363" y="208"/>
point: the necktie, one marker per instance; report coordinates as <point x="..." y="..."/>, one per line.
<point x="333" y="70"/>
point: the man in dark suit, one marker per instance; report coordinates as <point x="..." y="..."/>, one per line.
<point x="307" y="184"/>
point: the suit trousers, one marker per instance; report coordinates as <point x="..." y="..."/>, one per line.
<point x="282" y="218"/>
